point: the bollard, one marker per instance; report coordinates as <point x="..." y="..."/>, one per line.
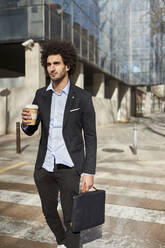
<point x="18" y="140"/>
<point x="135" y="139"/>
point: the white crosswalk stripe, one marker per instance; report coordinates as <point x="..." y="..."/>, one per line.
<point x="116" y="211"/>
<point x="157" y="170"/>
<point x="130" y="178"/>
<point x="138" y="214"/>
<point x="20" y="198"/>
<point x="131" y="192"/>
<point x="99" y="175"/>
<point x="17" y="179"/>
<point x="149" y="166"/>
<point x="117" y="241"/>
<point x="160" y="169"/>
<point x="24" y="229"/>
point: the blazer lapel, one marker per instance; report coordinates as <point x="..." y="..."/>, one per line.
<point x="69" y="103"/>
<point x="47" y="106"/>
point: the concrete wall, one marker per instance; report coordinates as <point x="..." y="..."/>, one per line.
<point x="21" y="96"/>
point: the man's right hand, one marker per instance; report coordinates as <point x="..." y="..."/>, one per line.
<point x="26" y="117"/>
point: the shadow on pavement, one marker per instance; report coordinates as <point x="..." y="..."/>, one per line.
<point x="23" y="148"/>
<point x="91" y="234"/>
<point x="156" y="132"/>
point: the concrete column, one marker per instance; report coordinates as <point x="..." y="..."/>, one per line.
<point x="128" y="102"/>
<point x="148" y="104"/>
<point x="98" y="85"/>
<point x="163" y="107"/>
<point x="114" y="98"/>
<point x="2" y="113"/>
<point x="34" y="72"/>
<point x="80" y="75"/>
<point x="133" y="102"/>
<point x="124" y="103"/>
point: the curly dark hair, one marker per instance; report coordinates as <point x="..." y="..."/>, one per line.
<point x="64" y="48"/>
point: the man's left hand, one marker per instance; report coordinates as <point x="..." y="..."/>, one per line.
<point x="87" y="181"/>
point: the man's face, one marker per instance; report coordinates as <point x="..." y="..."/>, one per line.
<point x="56" y="68"/>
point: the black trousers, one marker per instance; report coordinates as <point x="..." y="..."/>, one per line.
<point x="49" y="184"/>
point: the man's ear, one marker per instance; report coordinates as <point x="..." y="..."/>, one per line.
<point x="67" y="67"/>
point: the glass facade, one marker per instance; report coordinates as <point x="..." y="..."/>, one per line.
<point x="114" y="35"/>
<point x="120" y="39"/>
<point x="141" y="42"/>
<point x="137" y="55"/>
<point x="157" y="52"/>
<point x="73" y="20"/>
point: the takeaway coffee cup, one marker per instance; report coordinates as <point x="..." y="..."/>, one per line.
<point x="33" y="110"/>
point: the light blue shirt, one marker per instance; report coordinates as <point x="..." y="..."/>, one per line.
<point x="56" y="148"/>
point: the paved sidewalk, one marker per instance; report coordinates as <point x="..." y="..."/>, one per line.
<point x="117" y="137"/>
<point x="134" y="183"/>
<point x="150" y="139"/>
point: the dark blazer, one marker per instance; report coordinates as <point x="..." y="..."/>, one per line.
<point x="82" y="119"/>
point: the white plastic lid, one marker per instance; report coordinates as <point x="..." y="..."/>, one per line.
<point x="32" y="106"/>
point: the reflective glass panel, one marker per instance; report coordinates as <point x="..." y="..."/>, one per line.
<point x="67" y="18"/>
<point x="84" y="6"/>
<point x="91" y="41"/>
<point x="55" y="20"/>
<point x="10" y="21"/>
<point x="92" y="10"/>
<point x="84" y="34"/>
<point x="76" y="26"/>
<point x="19" y="3"/>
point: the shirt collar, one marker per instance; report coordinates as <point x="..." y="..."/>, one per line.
<point x="65" y="90"/>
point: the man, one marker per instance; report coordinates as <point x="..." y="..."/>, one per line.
<point x="65" y="110"/>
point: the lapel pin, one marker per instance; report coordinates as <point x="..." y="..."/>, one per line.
<point x="72" y="97"/>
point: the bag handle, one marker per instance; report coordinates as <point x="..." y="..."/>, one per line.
<point x="84" y="189"/>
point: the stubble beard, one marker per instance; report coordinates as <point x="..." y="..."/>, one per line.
<point x="60" y="79"/>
